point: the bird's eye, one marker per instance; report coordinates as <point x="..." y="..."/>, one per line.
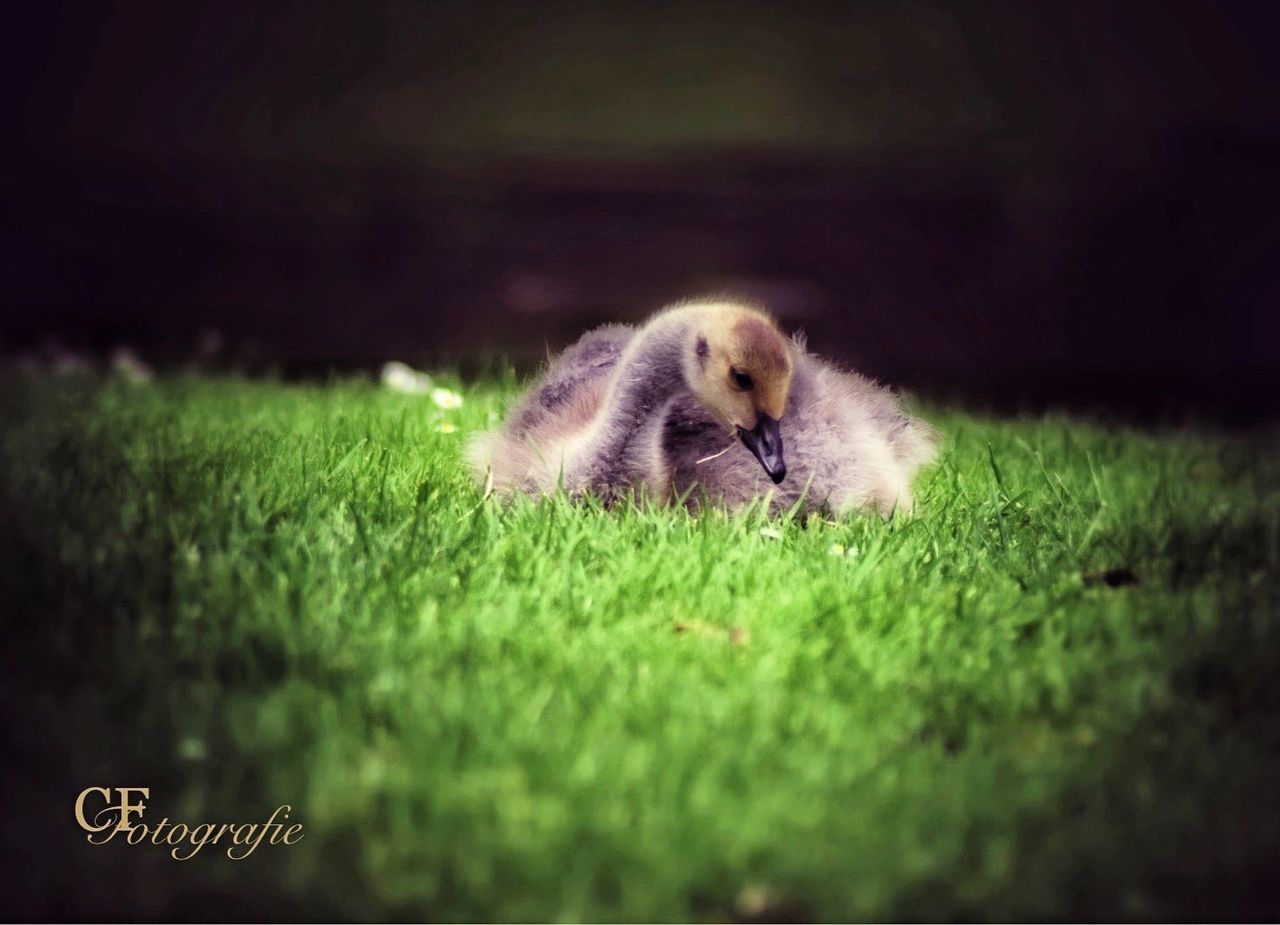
<point x="742" y="380"/>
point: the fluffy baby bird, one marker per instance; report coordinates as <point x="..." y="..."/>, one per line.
<point x="707" y="403"/>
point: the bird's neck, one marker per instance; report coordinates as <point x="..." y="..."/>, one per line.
<point x="650" y="373"/>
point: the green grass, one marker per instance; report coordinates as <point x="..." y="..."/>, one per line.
<point x="247" y="594"/>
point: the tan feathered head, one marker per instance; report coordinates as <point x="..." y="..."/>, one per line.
<point x="740" y="369"/>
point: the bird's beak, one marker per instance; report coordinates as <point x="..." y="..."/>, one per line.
<point x="765" y="443"/>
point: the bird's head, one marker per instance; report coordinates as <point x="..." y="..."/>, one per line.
<point x="739" y="367"/>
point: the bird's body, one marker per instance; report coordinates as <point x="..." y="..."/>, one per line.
<point x="647" y="409"/>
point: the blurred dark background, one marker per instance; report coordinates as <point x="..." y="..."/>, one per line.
<point x="1005" y="203"/>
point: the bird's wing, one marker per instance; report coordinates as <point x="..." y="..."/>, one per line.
<point x="570" y="390"/>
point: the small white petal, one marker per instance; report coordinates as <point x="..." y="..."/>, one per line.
<point x="446" y="399"/>
<point x="400" y="377"/>
<point x="125" y="363"/>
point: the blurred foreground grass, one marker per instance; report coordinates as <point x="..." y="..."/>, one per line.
<point x="1052" y="693"/>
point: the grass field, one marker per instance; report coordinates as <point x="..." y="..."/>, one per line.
<point x="1051" y="693"/>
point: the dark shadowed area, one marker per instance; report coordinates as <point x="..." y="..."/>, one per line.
<point x="1050" y="693"/>
<point x="1003" y="203"/>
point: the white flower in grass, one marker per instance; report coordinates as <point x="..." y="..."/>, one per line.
<point x="837" y="549"/>
<point x="401" y="377"/>
<point x="126" y="364"/>
<point x="770" y="534"/>
<point x="447" y="399"/>
<point x="446" y="427"/>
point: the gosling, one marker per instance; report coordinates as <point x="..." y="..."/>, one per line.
<point x="648" y="410"/>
